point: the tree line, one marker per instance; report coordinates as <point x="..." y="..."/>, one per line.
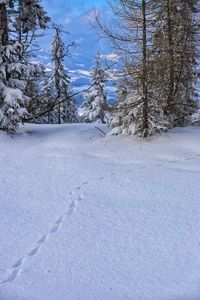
<point x="157" y="86"/>
<point x="159" y="45"/>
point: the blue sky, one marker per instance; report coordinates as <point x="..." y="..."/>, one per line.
<point x="61" y="9"/>
<point x="74" y="16"/>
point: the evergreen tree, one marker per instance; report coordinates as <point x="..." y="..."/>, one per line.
<point x="15" y="69"/>
<point x="30" y="17"/>
<point x="38" y="99"/>
<point x="48" y="100"/>
<point x="65" y="104"/>
<point x="96" y="108"/>
<point x="127" y="116"/>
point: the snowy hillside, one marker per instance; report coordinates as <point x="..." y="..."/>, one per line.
<point x="88" y="217"/>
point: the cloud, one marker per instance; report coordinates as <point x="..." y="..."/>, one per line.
<point x="68" y="20"/>
<point x="111" y="57"/>
<point x="85" y="73"/>
<point x="79" y="65"/>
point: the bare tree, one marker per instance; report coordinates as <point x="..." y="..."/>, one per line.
<point x="133" y="40"/>
<point x="159" y="44"/>
<point x="175" y="57"/>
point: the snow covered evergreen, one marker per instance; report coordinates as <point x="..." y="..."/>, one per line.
<point x="30" y="17"/>
<point x="13" y="100"/>
<point x="64" y="108"/>
<point x="15" y="66"/>
<point x="127" y="116"/>
<point x="48" y="100"/>
<point x="96" y="108"/>
<point x="38" y="102"/>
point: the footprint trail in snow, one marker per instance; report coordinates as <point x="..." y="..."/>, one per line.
<point x="17" y="267"/>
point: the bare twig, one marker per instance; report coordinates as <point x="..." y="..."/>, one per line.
<point x="100" y="130"/>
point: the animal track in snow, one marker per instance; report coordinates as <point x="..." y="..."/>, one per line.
<point x="42" y="239"/>
<point x="85" y="182"/>
<point x="111" y="174"/>
<point x="80" y="186"/>
<point x="12" y="276"/>
<point x="15" y="270"/>
<point x="57" y="225"/>
<point x="59" y="220"/>
<point x="18" y="263"/>
<point x="55" y="228"/>
<point x="34" y="251"/>
<point x="17" y="266"/>
<point x="71" y="208"/>
<point x="80" y="197"/>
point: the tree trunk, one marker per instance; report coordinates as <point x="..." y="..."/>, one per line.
<point x="144" y="72"/>
<point x="20" y="23"/>
<point x="3" y="24"/>
<point x="169" y="107"/>
<point x="59" y="114"/>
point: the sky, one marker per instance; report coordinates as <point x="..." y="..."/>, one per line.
<point x="75" y="17"/>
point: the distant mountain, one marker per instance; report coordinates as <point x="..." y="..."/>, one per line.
<point x="80" y="77"/>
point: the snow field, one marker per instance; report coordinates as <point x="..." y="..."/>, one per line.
<point x="87" y="217"/>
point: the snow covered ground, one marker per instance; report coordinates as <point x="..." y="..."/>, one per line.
<point x="84" y="217"/>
